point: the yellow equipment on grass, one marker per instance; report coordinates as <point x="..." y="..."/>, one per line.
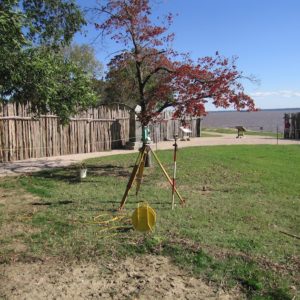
<point x="143" y="218"/>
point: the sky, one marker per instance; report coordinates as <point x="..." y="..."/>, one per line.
<point x="264" y="34"/>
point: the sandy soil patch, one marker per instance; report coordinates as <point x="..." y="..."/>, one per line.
<point x="16" y="207"/>
<point x="18" y="202"/>
<point x="147" y="277"/>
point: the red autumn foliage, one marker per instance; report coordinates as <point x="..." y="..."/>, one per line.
<point x="164" y="77"/>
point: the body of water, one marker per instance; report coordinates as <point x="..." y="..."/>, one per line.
<point x="266" y="120"/>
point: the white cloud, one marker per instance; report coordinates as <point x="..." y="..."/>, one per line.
<point x="283" y="93"/>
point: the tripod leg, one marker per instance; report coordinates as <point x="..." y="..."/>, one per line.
<point x="139" y="176"/>
<point x="182" y="201"/>
<point x="132" y="176"/>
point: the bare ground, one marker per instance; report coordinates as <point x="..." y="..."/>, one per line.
<point x="144" y="277"/>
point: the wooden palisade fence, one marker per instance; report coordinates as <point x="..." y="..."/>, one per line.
<point x="292" y="131"/>
<point x="168" y="127"/>
<point x="23" y="136"/>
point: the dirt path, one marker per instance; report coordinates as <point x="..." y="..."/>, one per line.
<point x="145" y="277"/>
<point x="33" y="165"/>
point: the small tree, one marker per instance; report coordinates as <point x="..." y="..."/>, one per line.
<point x="162" y="77"/>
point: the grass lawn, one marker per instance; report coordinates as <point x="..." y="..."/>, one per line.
<point x="248" y="132"/>
<point x="208" y="134"/>
<point x="239" y="202"/>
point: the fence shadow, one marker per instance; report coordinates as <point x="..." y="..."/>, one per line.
<point x="71" y="174"/>
<point x="115" y="129"/>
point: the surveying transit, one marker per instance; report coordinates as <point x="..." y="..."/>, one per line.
<point x="138" y="169"/>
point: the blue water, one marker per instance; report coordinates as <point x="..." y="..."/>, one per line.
<point x="266" y="120"/>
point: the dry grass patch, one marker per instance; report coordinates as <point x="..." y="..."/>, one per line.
<point x="16" y="213"/>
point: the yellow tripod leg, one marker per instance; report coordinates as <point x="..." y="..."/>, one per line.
<point x="133" y="176"/>
<point x="139" y="176"/>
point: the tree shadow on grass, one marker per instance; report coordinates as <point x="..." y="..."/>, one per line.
<point x="68" y="174"/>
<point x="109" y="170"/>
<point x="63" y="202"/>
<point x="71" y="174"/>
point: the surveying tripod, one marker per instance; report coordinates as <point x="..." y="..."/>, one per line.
<point x="138" y="170"/>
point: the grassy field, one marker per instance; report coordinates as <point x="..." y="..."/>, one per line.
<point x="241" y="202"/>
<point x="248" y="132"/>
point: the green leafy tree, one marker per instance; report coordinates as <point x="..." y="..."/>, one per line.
<point x="43" y="22"/>
<point x="51" y="22"/>
<point x="53" y="84"/>
<point x="11" y="42"/>
<point x="84" y="56"/>
<point x="11" y="36"/>
<point x="31" y="67"/>
<point x="98" y="86"/>
<point x="122" y="84"/>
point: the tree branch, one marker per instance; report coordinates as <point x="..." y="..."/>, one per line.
<point x="156" y="70"/>
<point x="153" y="54"/>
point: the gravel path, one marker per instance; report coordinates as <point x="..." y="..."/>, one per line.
<point x="37" y="164"/>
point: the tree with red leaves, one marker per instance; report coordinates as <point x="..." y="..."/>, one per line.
<point x="162" y="77"/>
